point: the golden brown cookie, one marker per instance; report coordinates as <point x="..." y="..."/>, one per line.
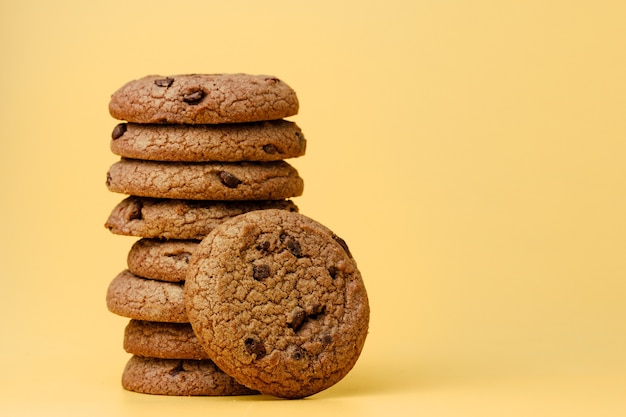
<point x="204" y="99"/>
<point x="259" y="141"/>
<point x="179" y="377"/>
<point x="180" y="219"/>
<point x="162" y="340"/>
<point x="278" y="303"/>
<point x="274" y="180"/>
<point x="146" y="299"/>
<point x="163" y="260"/>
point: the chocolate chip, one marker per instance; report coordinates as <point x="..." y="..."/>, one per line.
<point x="109" y="179"/>
<point x="299" y="316"/>
<point x="164" y="82"/>
<point x="298" y="353"/>
<point x="254" y="347"/>
<point x="118" y="131"/>
<point x="333" y="271"/>
<point x="270" y="149"/>
<point x="297" y="320"/>
<point x="294" y="247"/>
<point x="178" y="369"/>
<point x="183" y="256"/>
<point x="272" y="80"/>
<point x="193" y="97"/>
<point x="228" y="179"/>
<point x="263" y="246"/>
<point x="133" y="212"/>
<point x="326" y="339"/>
<point x="260" y="272"/>
<point x="292" y="244"/>
<point x="343" y="244"/>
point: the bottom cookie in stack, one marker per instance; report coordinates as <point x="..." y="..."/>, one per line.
<point x="180" y="377"/>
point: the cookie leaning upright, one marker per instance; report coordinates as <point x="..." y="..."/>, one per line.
<point x="204" y="99"/>
<point x="278" y="303"/>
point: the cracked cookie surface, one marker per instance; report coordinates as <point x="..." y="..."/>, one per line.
<point x="273" y="180"/>
<point x="277" y="301"/>
<point x="203" y="99"/>
<point x="179" y="377"/>
<point x="180" y="219"/>
<point x="260" y="141"/>
<point x="163" y="260"/>
<point x="162" y="340"/>
<point x="146" y="299"/>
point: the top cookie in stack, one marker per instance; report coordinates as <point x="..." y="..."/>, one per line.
<point x="206" y="137"/>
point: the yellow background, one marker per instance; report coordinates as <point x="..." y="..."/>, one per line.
<point x="471" y="153"/>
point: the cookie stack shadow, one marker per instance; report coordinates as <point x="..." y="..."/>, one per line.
<point x="195" y="151"/>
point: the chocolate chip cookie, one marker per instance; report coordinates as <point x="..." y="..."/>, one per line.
<point x="162" y="340"/>
<point x="180" y="219"/>
<point x="277" y="302"/>
<point x="274" y="180"/>
<point x="179" y="377"/>
<point x="164" y="260"/>
<point x="203" y="99"/>
<point x="260" y="141"/>
<point x="146" y="299"/>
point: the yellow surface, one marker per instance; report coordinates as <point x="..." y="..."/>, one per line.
<point x="470" y="152"/>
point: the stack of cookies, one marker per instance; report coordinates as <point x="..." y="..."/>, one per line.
<point x="229" y="290"/>
<point x="196" y="150"/>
